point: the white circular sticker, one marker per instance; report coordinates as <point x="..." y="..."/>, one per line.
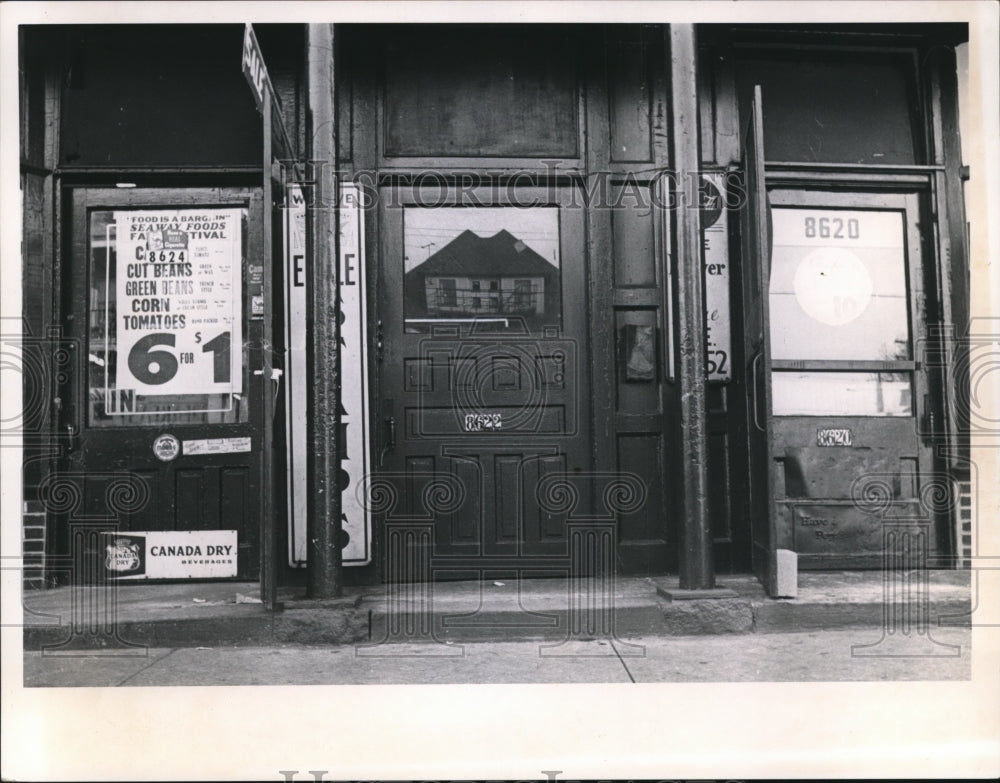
<point x="833" y="285"/>
<point x="166" y="447"/>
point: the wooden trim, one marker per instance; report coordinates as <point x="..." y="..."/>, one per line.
<point x="849" y="180"/>
<point x="950" y="246"/>
<point x="831" y="365"/>
<point x="451" y="178"/>
<point x="867" y="168"/>
<point x="130" y="170"/>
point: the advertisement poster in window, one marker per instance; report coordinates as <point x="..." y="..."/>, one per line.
<point x="177" y="288"/>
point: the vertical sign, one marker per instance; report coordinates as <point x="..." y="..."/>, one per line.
<point x="254" y="69"/>
<point x="715" y="241"/>
<point x="178" y="301"/>
<point x="296" y="377"/>
<point x="353" y="436"/>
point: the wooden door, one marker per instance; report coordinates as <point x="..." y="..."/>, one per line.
<point x="853" y="410"/>
<point x="840" y="414"/>
<point x="483" y="398"/>
<point x="755" y="256"/>
<point x="163" y="296"/>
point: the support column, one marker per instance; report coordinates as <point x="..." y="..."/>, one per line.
<point x="325" y="567"/>
<point x="696" y="572"/>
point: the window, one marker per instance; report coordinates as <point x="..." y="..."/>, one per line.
<point x="165" y="317"/>
<point x="446" y="294"/>
<point x="835" y="107"/>
<point x="496" y="266"/>
<point x="838" y="285"/>
<point x="838" y="297"/>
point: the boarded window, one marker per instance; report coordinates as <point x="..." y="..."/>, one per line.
<point x="158" y="95"/>
<point x="836" y="107"/>
<point x="481" y="91"/>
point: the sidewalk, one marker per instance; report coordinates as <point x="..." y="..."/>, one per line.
<point x="813" y="656"/>
<point x="170" y="616"/>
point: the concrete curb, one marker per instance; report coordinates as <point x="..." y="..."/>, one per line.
<point x="349" y="624"/>
<point x="208" y="615"/>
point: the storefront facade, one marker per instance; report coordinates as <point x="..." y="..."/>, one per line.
<point x="365" y="303"/>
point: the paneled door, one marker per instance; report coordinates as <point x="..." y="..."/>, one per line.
<point x="165" y="415"/>
<point x="484" y="408"/>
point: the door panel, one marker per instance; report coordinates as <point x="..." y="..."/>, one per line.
<point x="839" y="414"/>
<point x="483" y="312"/>
<point x="756" y="252"/>
<point x="851" y="446"/>
<point x="208" y="477"/>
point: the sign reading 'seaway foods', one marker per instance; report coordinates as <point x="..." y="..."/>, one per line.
<point x="353" y="436"/>
<point x="177" y="301"/>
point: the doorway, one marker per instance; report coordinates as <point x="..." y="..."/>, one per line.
<point x="484" y="404"/>
<point x="162" y="295"/>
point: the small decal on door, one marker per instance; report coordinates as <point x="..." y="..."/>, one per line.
<point x="834" y="437"/>
<point x="479" y="422"/>
<point x="166" y="448"/>
<point x="216" y="446"/>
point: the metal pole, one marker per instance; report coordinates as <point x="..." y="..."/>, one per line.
<point x="696" y="572"/>
<point x="323" y="527"/>
<point x="268" y="544"/>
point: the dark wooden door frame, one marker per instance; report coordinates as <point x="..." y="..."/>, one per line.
<point x="74" y="271"/>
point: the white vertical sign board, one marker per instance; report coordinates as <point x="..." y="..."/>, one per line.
<point x="353" y="436"/>
<point x="296" y="375"/>
<point x="177" y="296"/>
<point x="352" y="278"/>
<point x="715" y="238"/>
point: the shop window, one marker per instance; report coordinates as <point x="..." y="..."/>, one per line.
<point x="838" y="293"/>
<point x="836" y="108"/>
<point x="838" y="285"/>
<point x="165" y="317"/>
<point x="496" y="266"/>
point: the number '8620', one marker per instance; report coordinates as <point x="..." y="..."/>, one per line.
<point x="832" y="228"/>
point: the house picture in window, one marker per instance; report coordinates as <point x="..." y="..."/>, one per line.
<point x="494" y="266"/>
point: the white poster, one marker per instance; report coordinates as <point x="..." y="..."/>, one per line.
<point x="296" y="371"/>
<point x="177" y="299"/>
<point x="354" y="375"/>
<point x="353" y="435"/>
<point x="715" y="231"/>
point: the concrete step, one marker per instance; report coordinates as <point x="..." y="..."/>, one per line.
<point x="223" y="613"/>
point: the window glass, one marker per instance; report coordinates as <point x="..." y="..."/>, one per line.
<point x="835" y="108"/>
<point x="165" y="317"/>
<point x="496" y="267"/>
<point x="838" y="285"/>
<point x="120" y="107"/>
<point x="841" y="393"/>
